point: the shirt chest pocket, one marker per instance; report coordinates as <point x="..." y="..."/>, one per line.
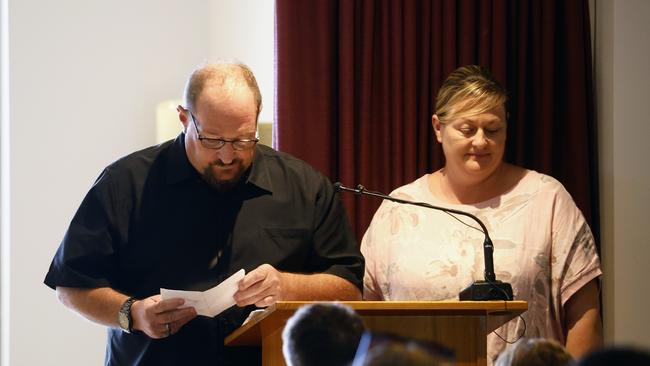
<point x="288" y="249"/>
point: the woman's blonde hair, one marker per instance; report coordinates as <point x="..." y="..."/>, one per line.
<point x="468" y="91"/>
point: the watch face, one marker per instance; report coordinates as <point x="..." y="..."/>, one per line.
<point x="124" y="320"/>
<point x="124" y="316"/>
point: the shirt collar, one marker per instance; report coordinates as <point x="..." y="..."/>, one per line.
<point x="259" y="174"/>
<point x="179" y="167"/>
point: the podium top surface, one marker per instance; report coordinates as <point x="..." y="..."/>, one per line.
<point x="497" y="313"/>
<point x="497" y="305"/>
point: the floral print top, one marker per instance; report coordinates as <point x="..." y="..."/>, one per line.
<point x="543" y="247"/>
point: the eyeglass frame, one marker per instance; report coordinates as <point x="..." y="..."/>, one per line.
<point x="219" y="141"/>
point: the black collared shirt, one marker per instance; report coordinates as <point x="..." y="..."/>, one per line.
<point x="151" y="222"/>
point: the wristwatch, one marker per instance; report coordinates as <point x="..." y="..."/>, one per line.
<point x="124" y="316"/>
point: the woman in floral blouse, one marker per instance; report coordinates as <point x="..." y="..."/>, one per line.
<point x="542" y="245"/>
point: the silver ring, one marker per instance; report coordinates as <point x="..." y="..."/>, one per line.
<point x="169" y="329"/>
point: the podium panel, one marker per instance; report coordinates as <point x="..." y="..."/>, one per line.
<point x="460" y="325"/>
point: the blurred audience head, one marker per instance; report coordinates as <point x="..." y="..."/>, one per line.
<point x="322" y="334"/>
<point x="380" y="349"/>
<point x="535" y="352"/>
<point x="616" y="355"/>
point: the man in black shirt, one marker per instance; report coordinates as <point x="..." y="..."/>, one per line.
<point x="189" y="213"/>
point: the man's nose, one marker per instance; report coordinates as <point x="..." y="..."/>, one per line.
<point x="226" y="154"/>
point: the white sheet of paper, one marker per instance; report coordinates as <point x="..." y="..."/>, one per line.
<point x="209" y="302"/>
<point x="253" y="315"/>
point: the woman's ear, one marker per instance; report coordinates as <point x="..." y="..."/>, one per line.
<point x="435" y="122"/>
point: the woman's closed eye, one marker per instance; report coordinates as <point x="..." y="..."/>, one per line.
<point x="467" y="130"/>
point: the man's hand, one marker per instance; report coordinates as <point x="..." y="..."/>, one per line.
<point x="263" y="286"/>
<point x="159" y="318"/>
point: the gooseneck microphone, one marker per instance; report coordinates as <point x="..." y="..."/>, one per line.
<point x="491" y="288"/>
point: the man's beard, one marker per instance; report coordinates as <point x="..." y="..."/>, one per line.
<point x="221" y="185"/>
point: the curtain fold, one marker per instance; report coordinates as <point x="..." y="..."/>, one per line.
<point x="357" y="80"/>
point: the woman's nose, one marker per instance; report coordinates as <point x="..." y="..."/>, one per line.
<point x="479" y="138"/>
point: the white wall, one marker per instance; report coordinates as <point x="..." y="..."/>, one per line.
<point x="85" y="76"/>
<point x="85" y="80"/>
<point x="244" y="30"/>
<point x="622" y="57"/>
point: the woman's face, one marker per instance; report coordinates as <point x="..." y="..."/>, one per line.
<point x="473" y="145"/>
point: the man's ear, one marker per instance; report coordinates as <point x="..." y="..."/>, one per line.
<point x="183" y="115"/>
<point x="435" y="122"/>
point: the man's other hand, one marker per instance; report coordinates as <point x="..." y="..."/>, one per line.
<point x="159" y="318"/>
<point x="263" y="286"/>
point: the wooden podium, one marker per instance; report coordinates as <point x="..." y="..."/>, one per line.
<point x="460" y="325"/>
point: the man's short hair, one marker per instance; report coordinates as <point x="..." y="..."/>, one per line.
<point x="224" y="74"/>
<point x="322" y="334"/>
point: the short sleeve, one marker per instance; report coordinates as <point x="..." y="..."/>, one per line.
<point x="370" y="288"/>
<point x="374" y="240"/>
<point x="87" y="256"/>
<point x="335" y="246"/>
<point x="574" y="248"/>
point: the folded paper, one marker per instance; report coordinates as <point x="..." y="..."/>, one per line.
<point x="209" y="302"/>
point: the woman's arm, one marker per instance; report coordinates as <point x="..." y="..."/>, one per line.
<point x="582" y="321"/>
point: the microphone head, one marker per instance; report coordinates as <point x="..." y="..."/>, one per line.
<point x="337" y="186"/>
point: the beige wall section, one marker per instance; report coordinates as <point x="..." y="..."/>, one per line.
<point x="622" y="60"/>
<point x="601" y="20"/>
<point x="266" y="133"/>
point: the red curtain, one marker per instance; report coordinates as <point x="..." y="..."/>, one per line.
<point x="357" y="80"/>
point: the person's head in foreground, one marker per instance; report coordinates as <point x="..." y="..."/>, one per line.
<point x="535" y="352"/>
<point x="322" y="334"/>
<point x="616" y="355"/>
<point x="382" y="349"/>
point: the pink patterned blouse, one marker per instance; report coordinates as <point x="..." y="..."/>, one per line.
<point x="542" y="246"/>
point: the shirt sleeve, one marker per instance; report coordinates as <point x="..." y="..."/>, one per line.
<point x="336" y="248"/>
<point x="574" y="248"/>
<point x="373" y="248"/>
<point x="87" y="256"/>
<point x="371" y="290"/>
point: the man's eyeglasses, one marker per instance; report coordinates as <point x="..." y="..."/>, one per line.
<point x="216" y="144"/>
